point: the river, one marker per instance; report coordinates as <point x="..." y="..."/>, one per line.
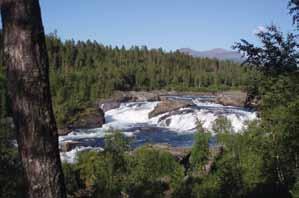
<point x="176" y="129"/>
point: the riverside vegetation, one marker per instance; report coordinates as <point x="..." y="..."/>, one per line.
<point x="262" y="161"/>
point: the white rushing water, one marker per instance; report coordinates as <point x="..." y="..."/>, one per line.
<point x="130" y="116"/>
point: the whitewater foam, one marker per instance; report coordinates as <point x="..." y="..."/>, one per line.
<point x="129" y="114"/>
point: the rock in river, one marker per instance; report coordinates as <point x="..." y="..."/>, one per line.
<point x="68" y="146"/>
<point x="232" y="98"/>
<point x="168" y="106"/>
<point x="91" y="118"/>
<point x="108" y="105"/>
<point x="64" y="131"/>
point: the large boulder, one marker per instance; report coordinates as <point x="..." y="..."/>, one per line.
<point x="108" y="105"/>
<point x="168" y="106"/>
<point x="115" y="101"/>
<point x="232" y="98"/>
<point x="90" y="118"/>
<point x="68" y="146"/>
<point x="167" y="118"/>
<point x="64" y="131"/>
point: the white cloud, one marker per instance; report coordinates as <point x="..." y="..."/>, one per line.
<point x="259" y="29"/>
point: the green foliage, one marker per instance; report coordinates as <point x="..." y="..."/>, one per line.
<point x="222" y="126"/>
<point x="200" y="151"/>
<point x="87" y="164"/>
<point x="277" y="55"/>
<point x="208" y="187"/>
<point x="71" y="178"/>
<point x="116" y="143"/>
<point x="230" y="177"/>
<point x="146" y="172"/>
<point x="282" y="124"/>
<point x="151" y="168"/>
<point x="97" y="173"/>
<point x="225" y="133"/>
<point x="252" y="153"/>
<point x="104" y="172"/>
<point x="294" y="11"/>
<point x="279" y="91"/>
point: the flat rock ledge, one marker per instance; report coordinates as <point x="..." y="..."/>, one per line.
<point x="168" y="106"/>
<point x="232" y="98"/>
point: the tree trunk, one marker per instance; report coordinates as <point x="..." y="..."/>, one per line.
<point x="27" y="65"/>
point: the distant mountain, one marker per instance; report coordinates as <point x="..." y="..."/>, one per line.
<point x="218" y="53"/>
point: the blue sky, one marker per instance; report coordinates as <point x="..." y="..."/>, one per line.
<point x="170" y="24"/>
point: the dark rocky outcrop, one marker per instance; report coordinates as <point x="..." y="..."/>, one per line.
<point x="64" y="131"/>
<point x="168" y="106"/>
<point x="113" y="102"/>
<point x="90" y="118"/>
<point x="108" y="105"/>
<point x="68" y="146"/>
<point x="179" y="112"/>
<point x="232" y="98"/>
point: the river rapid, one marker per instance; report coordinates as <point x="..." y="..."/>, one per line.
<point x="176" y="128"/>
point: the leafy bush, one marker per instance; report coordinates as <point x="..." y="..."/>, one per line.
<point x="149" y="168"/>
<point x="200" y="151"/>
